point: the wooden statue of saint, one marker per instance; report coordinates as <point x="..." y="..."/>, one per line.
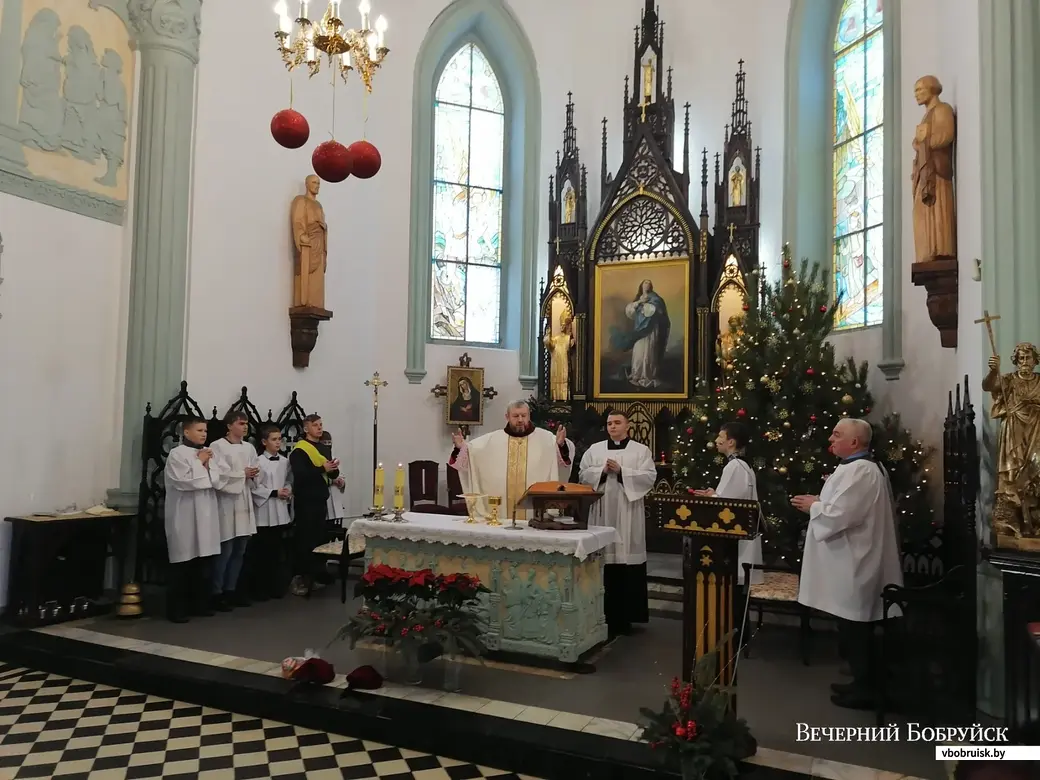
<point x="310" y="242"/>
<point x="934" y="217"/>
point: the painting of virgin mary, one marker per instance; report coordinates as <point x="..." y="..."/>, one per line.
<point x="641" y="313"/>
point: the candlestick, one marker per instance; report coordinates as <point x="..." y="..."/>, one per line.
<point x="399" y="487"/>
<point x="377" y="498"/>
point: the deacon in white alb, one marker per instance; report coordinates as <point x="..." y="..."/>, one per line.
<point x="192" y="524"/>
<point x="235" y="466"/>
<point x="738" y="481"/>
<point x="851" y="554"/>
<point x="507" y="462"/>
<point x="624" y="470"/>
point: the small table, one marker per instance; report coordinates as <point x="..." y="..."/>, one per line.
<point x="57" y="570"/>
<point x="546" y="587"/>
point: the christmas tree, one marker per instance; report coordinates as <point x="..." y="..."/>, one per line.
<point x="782" y="380"/>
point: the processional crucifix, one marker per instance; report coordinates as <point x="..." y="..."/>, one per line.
<point x="988" y="320"/>
<point x="375" y="383"/>
<point x="441" y="391"/>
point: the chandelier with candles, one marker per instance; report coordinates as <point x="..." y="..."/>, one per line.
<point x="302" y="42"/>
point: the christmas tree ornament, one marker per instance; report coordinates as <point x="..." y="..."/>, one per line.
<point x="290" y="128"/>
<point x="847" y="399"/>
<point x="787" y="423"/>
<point x="782" y="470"/>
<point x="703" y="419"/>
<point x="365" y="159"/>
<point x="331" y="161"/>
<point x="741" y="412"/>
<point x="810" y="371"/>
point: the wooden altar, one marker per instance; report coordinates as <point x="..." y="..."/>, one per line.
<point x="635" y="303"/>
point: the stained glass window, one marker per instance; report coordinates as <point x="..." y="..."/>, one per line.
<point x="859" y="82"/>
<point x="469" y="150"/>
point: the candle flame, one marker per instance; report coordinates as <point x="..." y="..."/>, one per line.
<point x="365" y="7"/>
<point x="284" y="22"/>
<point x="381" y="24"/>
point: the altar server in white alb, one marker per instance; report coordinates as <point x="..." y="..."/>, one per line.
<point x="192" y="524"/>
<point x="265" y="568"/>
<point x="738" y="481"/>
<point x="624" y="471"/>
<point x="507" y="462"/>
<point x="851" y="554"/>
<point x="234" y="468"/>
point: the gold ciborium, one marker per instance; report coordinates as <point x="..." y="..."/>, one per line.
<point x="471" y="505"/>
<point x="494" y="502"/>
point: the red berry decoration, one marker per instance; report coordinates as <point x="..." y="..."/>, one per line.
<point x="290" y="128"/>
<point x="331" y="161"/>
<point x="365" y="158"/>
<point x="741" y="412"/>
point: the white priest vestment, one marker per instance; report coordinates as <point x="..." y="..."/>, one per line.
<point x="234" y="496"/>
<point x="851" y="547"/>
<point x="274" y="474"/>
<point x="500" y="464"/>
<point x="738" y="481"/>
<point x="192" y="525"/>
<point x="621" y="506"/>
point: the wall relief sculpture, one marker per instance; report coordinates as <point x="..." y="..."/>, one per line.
<point x="66" y="77"/>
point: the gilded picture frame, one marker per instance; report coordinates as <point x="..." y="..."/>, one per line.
<point x="641" y="338"/>
<point x="458" y="409"/>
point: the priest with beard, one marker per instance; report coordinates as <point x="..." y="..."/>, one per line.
<point x="624" y="470"/>
<point x="507" y="462"/>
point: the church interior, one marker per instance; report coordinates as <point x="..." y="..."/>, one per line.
<point x="443" y="256"/>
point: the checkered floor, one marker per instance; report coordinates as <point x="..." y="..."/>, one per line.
<point x="56" y="727"/>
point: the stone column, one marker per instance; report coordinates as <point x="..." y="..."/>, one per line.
<point x="167" y="37"/>
<point x="1009" y="33"/>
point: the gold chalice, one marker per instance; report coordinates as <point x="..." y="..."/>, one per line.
<point x="471" y="505"/>
<point x="494" y="502"/>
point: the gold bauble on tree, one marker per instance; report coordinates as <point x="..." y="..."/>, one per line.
<point x="782" y="470"/>
<point x="787" y="423"/>
<point x="704" y="418"/>
<point x="847" y="399"/>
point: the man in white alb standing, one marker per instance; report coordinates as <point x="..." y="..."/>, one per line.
<point x="851" y="554"/>
<point x="624" y="470"/>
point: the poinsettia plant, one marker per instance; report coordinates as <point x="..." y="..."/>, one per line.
<point x="419" y="611"/>
<point x="699" y="725"/>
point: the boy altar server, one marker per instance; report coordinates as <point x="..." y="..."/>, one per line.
<point x="235" y="465"/>
<point x="624" y="470"/>
<point x="738" y="481"/>
<point x="192" y="524"/>
<point x="851" y="554"/>
<point x="271" y="494"/>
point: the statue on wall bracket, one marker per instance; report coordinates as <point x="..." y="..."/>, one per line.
<point x="310" y="261"/>
<point x="934" y="210"/>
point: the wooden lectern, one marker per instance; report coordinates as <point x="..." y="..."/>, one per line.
<point x="711" y="528"/>
<point x="568" y="499"/>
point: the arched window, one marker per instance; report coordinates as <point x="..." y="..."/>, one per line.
<point x="469" y="152"/>
<point x="858" y="172"/>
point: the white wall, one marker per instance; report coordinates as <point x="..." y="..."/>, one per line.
<point x="941" y="39"/>
<point x="240" y="265"/>
<point x="60" y="346"/>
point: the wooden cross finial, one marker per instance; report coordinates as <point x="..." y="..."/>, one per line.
<point x="557" y="245"/>
<point x="465" y="360"/>
<point x="732" y="227"/>
<point x="988" y="320"/>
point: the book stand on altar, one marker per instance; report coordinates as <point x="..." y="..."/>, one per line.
<point x="566" y="499"/>
<point x="711" y="528"/>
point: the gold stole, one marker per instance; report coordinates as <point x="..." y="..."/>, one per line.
<point x="516" y="475"/>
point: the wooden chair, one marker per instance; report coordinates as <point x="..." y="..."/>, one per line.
<point x="778" y="595"/>
<point x="423" y="481"/>
<point x="456" y="502"/>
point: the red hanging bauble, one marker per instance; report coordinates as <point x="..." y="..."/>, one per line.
<point x="809" y="371"/>
<point x="741" y="412"/>
<point x="823" y="310"/>
<point x="365" y="158"/>
<point x="331" y="161"/>
<point x="747" y="307"/>
<point x="290" y="128"/>
<point x="812" y="418"/>
<point x="689" y="431"/>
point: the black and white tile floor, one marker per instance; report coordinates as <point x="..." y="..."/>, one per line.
<point x="52" y="726"/>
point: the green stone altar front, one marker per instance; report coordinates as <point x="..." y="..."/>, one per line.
<point x="543" y="604"/>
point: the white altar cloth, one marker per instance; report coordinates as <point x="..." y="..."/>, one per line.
<point x="453" y="529"/>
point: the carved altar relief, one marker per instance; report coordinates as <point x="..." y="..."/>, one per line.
<point x="75" y="73"/>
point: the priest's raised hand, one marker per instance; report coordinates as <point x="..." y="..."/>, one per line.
<point x="561" y="435"/>
<point x="457" y="439"/>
